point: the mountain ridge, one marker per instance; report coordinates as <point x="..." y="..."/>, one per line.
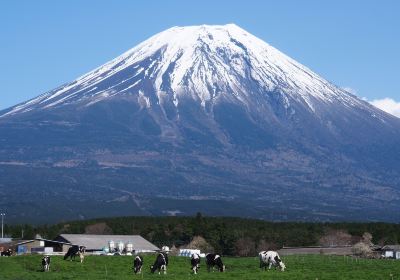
<point x="208" y="112"/>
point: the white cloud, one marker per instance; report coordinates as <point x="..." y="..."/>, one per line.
<point x="388" y="105"/>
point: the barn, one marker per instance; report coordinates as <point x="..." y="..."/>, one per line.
<point x="101" y="243"/>
<point x="391" y="251"/>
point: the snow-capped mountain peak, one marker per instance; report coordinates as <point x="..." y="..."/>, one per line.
<point x="205" y="62"/>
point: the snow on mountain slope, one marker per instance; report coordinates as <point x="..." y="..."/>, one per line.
<point x="203" y="62"/>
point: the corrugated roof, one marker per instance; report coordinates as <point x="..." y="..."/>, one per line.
<point x="22" y="242"/>
<point x="391" y="247"/>
<point x="97" y="242"/>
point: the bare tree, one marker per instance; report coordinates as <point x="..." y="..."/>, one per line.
<point x="367" y="238"/>
<point x="265" y="246"/>
<point x="200" y="243"/>
<point x="362" y="250"/>
<point x="335" y="238"/>
<point x="245" y="247"/>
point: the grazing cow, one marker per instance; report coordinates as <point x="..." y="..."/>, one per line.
<point x="213" y="260"/>
<point x="195" y="262"/>
<point x="75" y="250"/>
<point x="271" y="258"/>
<point x="46" y="263"/>
<point x="6" y="253"/>
<point x="160" y="264"/>
<point x="137" y="264"/>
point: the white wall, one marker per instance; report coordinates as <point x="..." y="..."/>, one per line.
<point x="389" y="254"/>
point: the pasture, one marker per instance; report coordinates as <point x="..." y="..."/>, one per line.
<point x="120" y="267"/>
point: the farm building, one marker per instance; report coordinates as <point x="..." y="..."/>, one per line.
<point x="94" y="242"/>
<point x="391" y="251"/>
<point x="40" y="245"/>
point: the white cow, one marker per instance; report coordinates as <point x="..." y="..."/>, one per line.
<point x="270" y="258"/>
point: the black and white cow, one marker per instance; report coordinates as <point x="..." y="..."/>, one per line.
<point x="213" y="260"/>
<point x="160" y="263"/>
<point x="195" y="262"/>
<point x="137" y="264"/>
<point x="82" y="250"/>
<point x="269" y="259"/>
<point x="46" y="263"/>
<point x="74" y="251"/>
<point x="6" y="253"/>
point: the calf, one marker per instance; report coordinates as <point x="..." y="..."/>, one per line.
<point x="271" y="258"/>
<point x="160" y="264"/>
<point x="137" y="264"/>
<point x="46" y="263"/>
<point x="213" y="260"/>
<point x="195" y="262"/>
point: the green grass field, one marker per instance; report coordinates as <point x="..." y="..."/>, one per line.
<point x="113" y="267"/>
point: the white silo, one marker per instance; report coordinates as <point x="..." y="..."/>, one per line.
<point x="121" y="246"/>
<point x="111" y="246"/>
<point x="129" y="247"/>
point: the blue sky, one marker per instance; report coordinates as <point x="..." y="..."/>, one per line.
<point x="44" y="44"/>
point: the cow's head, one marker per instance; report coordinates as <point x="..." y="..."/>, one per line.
<point x="165" y="249"/>
<point x="282" y="266"/>
<point x="222" y="268"/>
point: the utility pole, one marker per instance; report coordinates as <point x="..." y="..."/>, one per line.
<point x="2" y="224"/>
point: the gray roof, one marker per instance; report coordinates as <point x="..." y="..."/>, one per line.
<point x="97" y="242"/>
<point x="22" y="242"/>
<point x="391" y="247"/>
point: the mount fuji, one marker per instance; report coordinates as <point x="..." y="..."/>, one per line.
<point x="200" y="118"/>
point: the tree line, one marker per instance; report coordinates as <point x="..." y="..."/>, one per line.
<point x="225" y="235"/>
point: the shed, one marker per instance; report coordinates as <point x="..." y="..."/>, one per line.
<point x="40" y="245"/>
<point x="391" y="251"/>
<point x="94" y="242"/>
